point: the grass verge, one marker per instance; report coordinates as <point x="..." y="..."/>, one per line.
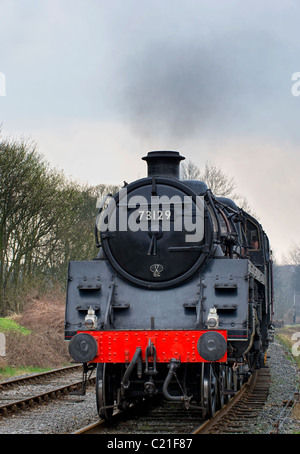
<point x="7" y="372"/>
<point x="8" y="324"/>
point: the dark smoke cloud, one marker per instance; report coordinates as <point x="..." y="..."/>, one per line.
<point x="175" y="88"/>
<point x="233" y="82"/>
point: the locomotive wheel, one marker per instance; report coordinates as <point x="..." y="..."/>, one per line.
<point x="104" y="391"/>
<point x="209" y="390"/>
<point x="239" y="379"/>
<point x="231" y="382"/>
<point x="221" y="386"/>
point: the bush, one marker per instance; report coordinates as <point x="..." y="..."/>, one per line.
<point x="44" y="346"/>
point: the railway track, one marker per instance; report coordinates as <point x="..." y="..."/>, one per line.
<point x="29" y="391"/>
<point x="34" y="377"/>
<point x="171" y="418"/>
<point x="72" y="412"/>
<point x="242" y="408"/>
<point x="162" y="418"/>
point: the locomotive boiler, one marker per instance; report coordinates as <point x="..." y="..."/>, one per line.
<point x="178" y="301"/>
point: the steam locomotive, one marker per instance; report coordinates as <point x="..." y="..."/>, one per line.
<point x="178" y="302"/>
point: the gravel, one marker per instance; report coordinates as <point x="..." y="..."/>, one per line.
<point x="284" y="383"/>
<point x="61" y="416"/>
<point x="72" y="412"/>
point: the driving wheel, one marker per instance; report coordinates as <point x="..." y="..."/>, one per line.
<point x="105" y="391"/>
<point x="209" y="390"/>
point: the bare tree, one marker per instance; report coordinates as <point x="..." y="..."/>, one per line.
<point x="45" y="221"/>
<point x="217" y="181"/>
<point x="30" y="208"/>
<point x="293" y="255"/>
<point x="189" y="171"/>
<point x="220" y="184"/>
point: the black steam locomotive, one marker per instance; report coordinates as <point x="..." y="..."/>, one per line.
<point x="178" y="301"/>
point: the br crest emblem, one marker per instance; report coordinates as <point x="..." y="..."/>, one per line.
<point x="156" y="269"/>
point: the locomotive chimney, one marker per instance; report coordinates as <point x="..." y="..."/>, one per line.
<point x="163" y="163"/>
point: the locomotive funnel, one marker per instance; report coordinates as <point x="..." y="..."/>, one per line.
<point x="163" y="163"/>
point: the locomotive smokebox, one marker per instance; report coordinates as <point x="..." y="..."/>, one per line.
<point x="163" y="163"/>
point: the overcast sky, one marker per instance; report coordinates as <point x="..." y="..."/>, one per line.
<point x="99" y="83"/>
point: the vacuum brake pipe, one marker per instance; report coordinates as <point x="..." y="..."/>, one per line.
<point x="137" y="358"/>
